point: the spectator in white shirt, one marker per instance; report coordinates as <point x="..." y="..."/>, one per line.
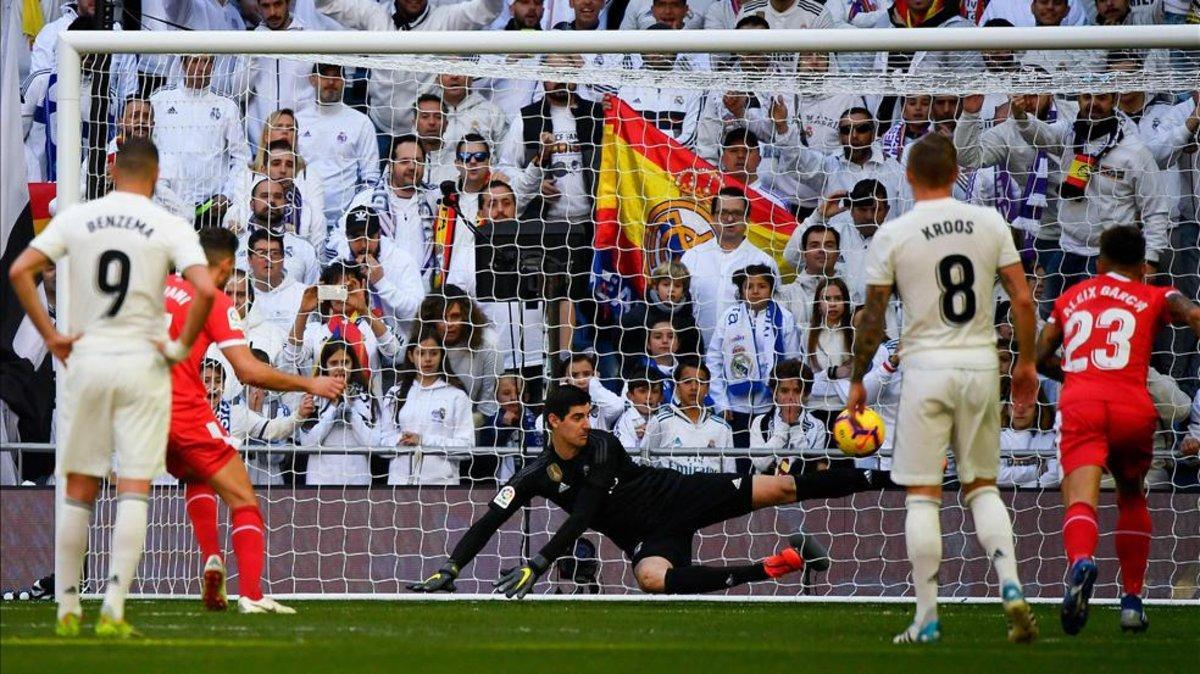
<point x="793" y="434"/>
<point x="349" y="422"/>
<point x="641" y="14"/>
<point x="580" y="372"/>
<point x="202" y="133"/>
<point x="829" y="338"/>
<point x="713" y="262"/>
<point x="276" y="296"/>
<point x="644" y="393"/>
<point x="276" y="83"/>
<point x="687" y="424"/>
<point x="304" y="191"/>
<point x="467" y="111"/>
<point x="268" y="205"/>
<point x="340" y="140"/>
<point x="263" y="337"/>
<point x="471" y="345"/>
<point x="429" y="126"/>
<point x="814" y="250"/>
<point x="393" y="280"/>
<point x="857" y="217"/>
<point x="1028" y="445"/>
<point x="427" y="409"/>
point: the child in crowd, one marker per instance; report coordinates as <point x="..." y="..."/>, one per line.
<point x="688" y="424"/>
<point x="644" y="393"/>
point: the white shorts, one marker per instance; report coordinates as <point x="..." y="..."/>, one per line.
<point x="116" y="406"/>
<point x="940" y="408"/>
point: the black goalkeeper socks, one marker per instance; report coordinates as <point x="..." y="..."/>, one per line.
<point x="833" y="483"/>
<point x="699" y="579"/>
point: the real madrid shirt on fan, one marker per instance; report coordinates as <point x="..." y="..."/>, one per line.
<point x="339" y="143"/>
<point x="223" y="327"/>
<point x="942" y="258"/>
<point x="203" y="133"/>
<point x="121" y="248"/>
<point x="671" y="429"/>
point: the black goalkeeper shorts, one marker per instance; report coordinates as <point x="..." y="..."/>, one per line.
<point x="700" y="500"/>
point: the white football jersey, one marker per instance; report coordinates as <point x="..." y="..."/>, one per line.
<point x="120" y="248"/>
<point x="942" y="258"/>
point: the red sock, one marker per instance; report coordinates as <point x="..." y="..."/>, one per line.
<point x="1080" y="531"/>
<point x="1133" y="540"/>
<point x="249" y="544"/>
<point x="202" y="511"/>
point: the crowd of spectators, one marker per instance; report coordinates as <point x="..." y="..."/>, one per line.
<point x="342" y="182"/>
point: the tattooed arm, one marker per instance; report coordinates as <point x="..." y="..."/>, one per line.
<point x="866" y="343"/>
<point x="1024" y="376"/>
<point x="1183" y="310"/>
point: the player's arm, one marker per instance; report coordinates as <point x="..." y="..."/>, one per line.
<point x="1182" y="311"/>
<point x="1048" y="361"/>
<point x="1024" y="378"/>
<point x="867" y="339"/>
<point x="512" y="497"/>
<point x="519" y="581"/>
<point x="23" y="276"/>
<point x="253" y="372"/>
<point x="202" y="300"/>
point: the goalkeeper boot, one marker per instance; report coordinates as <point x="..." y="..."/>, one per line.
<point x="1082" y="577"/>
<point x="815" y="555"/>
<point x="111" y="628"/>
<point x="1022" y="625"/>
<point x="215" y="598"/>
<point x="264" y="605"/>
<point x="1133" y="616"/>
<point x="68" y="625"/>
<point x="929" y="633"/>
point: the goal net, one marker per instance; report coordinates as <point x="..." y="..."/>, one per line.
<point x="481" y="226"/>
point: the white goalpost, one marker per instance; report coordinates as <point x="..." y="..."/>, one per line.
<point x="366" y="539"/>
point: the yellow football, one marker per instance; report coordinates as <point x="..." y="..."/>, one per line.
<point x="861" y="439"/>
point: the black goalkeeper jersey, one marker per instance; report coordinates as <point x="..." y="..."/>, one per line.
<point x="602" y="488"/>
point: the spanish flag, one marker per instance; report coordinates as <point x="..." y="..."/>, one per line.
<point x="652" y="204"/>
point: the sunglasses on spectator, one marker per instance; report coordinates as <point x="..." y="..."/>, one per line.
<point x="861" y="127"/>
<point x="466" y="157"/>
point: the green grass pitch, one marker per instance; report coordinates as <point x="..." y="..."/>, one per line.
<point x="561" y="637"/>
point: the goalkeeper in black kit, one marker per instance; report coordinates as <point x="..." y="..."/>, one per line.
<point x="651" y="513"/>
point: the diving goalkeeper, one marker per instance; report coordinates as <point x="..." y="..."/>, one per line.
<point x="651" y="513"/>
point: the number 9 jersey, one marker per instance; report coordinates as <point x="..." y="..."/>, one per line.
<point x="1107" y="418"/>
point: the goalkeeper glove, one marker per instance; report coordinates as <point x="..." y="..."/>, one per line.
<point x="442" y="581"/>
<point x="516" y="583"/>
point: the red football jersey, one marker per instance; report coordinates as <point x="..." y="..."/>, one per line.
<point x="1109" y="325"/>
<point x="222" y="327"/>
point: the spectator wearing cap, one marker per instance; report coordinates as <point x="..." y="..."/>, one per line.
<point x="403" y="203"/>
<point x="339" y="140"/>
<point x="393" y="280"/>
<point x="713" y="263"/>
<point x="268" y="206"/>
<point x="202" y="133"/>
<point x="394" y="93"/>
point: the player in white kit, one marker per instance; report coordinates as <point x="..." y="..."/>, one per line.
<point x="117" y="385"/>
<point x="942" y="258"/>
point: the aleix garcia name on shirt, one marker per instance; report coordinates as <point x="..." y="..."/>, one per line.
<point x="948" y="227"/>
<point x="120" y="222"/>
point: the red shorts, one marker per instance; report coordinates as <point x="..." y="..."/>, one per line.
<point x="1105" y="433"/>
<point x="197" y="449"/>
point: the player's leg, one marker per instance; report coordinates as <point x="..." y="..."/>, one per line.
<point x="202" y="513"/>
<point x="776" y="490"/>
<point x="923" y="425"/>
<point x="70" y="547"/>
<point x="248" y="534"/>
<point x="1083" y="447"/>
<point x="663" y="566"/>
<point x="141" y="419"/>
<point x="1129" y="460"/>
<point x="195" y="449"/>
<point x="977" y="456"/>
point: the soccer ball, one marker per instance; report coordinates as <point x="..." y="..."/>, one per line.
<point x="862" y="441"/>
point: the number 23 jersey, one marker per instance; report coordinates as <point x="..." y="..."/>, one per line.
<point x="1109" y="324"/>
<point x="120" y="248"/>
<point x="942" y="257"/>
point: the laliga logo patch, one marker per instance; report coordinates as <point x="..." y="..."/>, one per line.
<point x="505" y="497"/>
<point x="554" y="472"/>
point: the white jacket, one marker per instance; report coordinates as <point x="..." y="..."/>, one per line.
<point x="742" y="353"/>
<point x="341" y="142"/>
<point x="273" y="84"/>
<point x="350" y="422"/>
<point x="441" y="415"/>
<point x="806" y="438"/>
<point x="393" y="94"/>
<point x="410" y="222"/>
<point x="278" y="306"/>
<point x="627" y="427"/>
<point x="203" y="134"/>
<point x="671" y="429"/>
<point x="475" y="114"/>
<point x="299" y="258"/>
<point x="312" y="194"/>
<point x="711" y="269"/>
<point x="380" y="350"/>
<point x="401" y="289"/>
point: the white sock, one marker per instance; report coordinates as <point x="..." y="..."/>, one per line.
<point x="129" y="537"/>
<point x="923" y="537"/>
<point x="70" y="546"/>
<point x="993" y="528"/>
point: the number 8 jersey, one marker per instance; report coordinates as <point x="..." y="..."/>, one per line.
<point x="942" y="257"/>
<point x="1109" y="324"/>
<point x="121" y="248"/>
